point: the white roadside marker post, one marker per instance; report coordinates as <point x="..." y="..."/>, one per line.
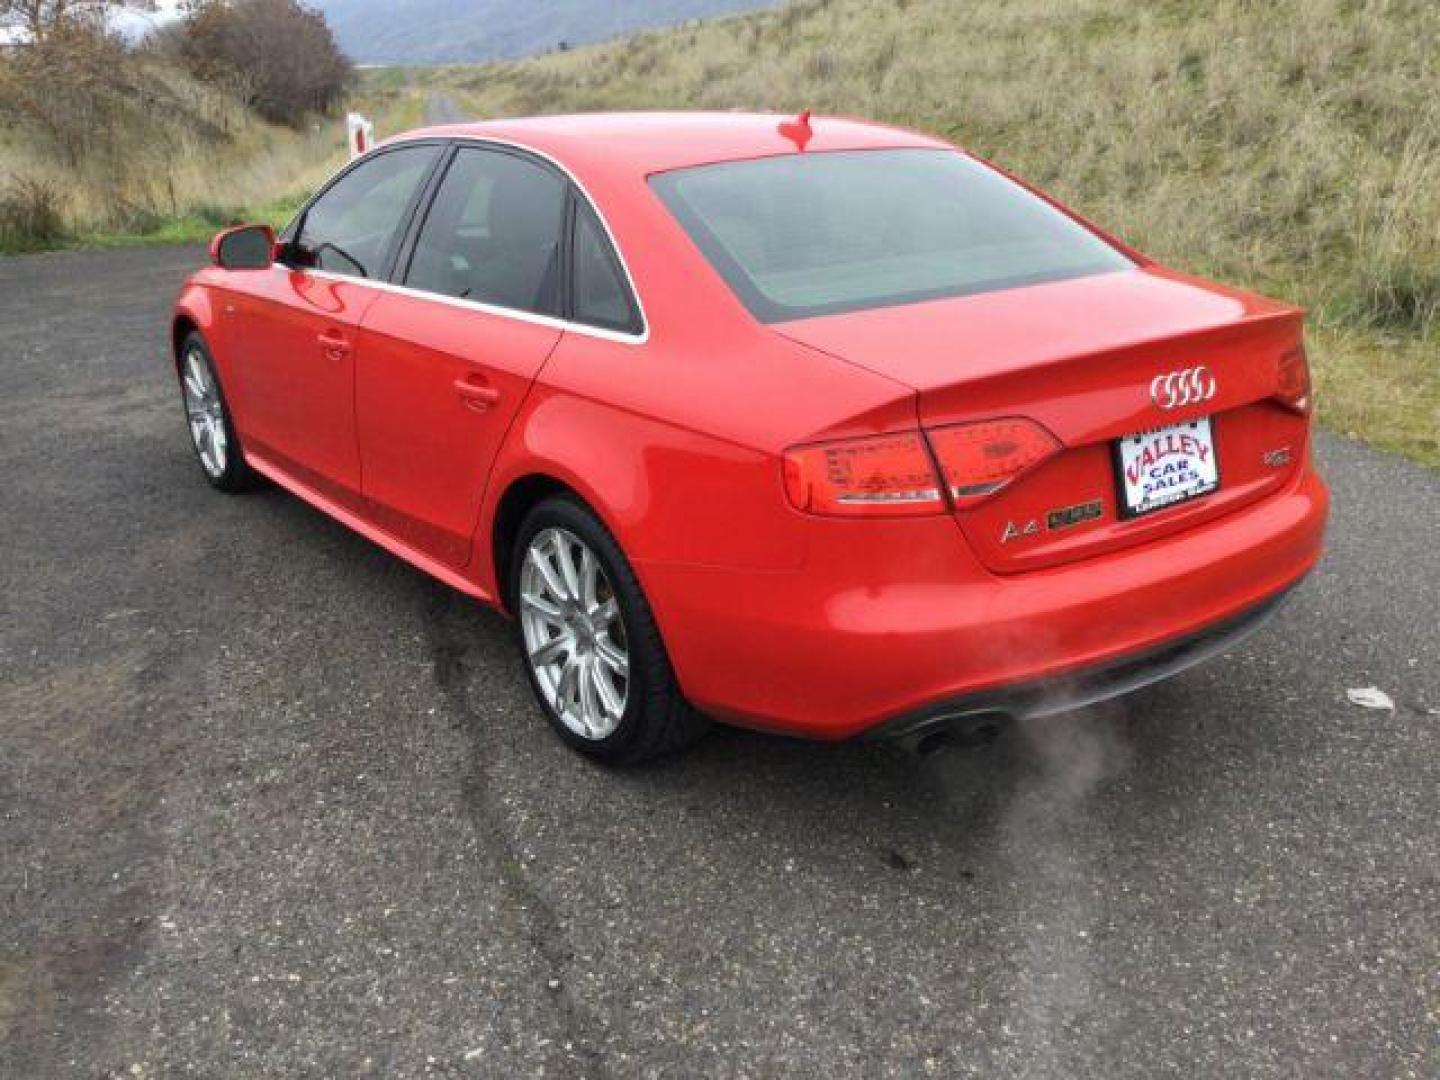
<point x="360" y="133"/>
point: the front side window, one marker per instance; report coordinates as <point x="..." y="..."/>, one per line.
<point x="492" y="234"/>
<point x="351" y="227"/>
<point x="600" y="295"/>
<point x="816" y="234"/>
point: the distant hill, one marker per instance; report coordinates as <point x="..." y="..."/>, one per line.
<point x="417" y="31"/>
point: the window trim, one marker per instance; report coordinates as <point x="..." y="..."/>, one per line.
<point x="296" y="225"/>
<point x="427" y="192"/>
<point x="573" y="212"/>
<point x="406" y="255"/>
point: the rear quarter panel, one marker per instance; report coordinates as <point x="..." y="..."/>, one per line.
<point x="677" y="448"/>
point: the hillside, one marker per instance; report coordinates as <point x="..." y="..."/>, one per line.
<point x="416" y="31"/>
<point x="171" y="158"/>
<point x="1291" y="147"/>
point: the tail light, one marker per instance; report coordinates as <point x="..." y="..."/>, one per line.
<point x="1292" y="380"/>
<point x="977" y="460"/>
<point x="894" y="475"/>
<point x="881" y="476"/>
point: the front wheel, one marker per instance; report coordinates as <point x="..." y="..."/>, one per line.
<point x="589" y="640"/>
<point x="212" y="432"/>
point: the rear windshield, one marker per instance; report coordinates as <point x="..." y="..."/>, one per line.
<point x="816" y="234"/>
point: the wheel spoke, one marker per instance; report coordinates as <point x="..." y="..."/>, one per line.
<point x="589" y="574"/>
<point x="565" y="691"/>
<point x="604" y="614"/>
<point x="543" y="607"/>
<point x="566" y="563"/>
<point x="196" y="364"/>
<point x="589" y="702"/>
<point x="552" y="580"/>
<point x="550" y="651"/>
<point x="609" y="697"/>
<point x="613" y="657"/>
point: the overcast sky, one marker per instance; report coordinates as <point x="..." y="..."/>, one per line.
<point x="132" y="22"/>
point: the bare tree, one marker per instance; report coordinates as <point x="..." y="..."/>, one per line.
<point x="73" y="87"/>
<point x="37" y="20"/>
<point x="279" y="55"/>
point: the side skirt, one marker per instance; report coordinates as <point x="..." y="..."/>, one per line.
<point x="369" y="530"/>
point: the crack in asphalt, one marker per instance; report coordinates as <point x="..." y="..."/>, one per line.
<point x="450" y="641"/>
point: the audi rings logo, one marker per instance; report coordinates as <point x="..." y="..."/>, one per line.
<point x="1189" y="386"/>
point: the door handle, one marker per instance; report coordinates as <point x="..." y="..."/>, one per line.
<point x="475" y="395"/>
<point x="333" y="344"/>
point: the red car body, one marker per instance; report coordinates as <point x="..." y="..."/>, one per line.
<point x="427" y="424"/>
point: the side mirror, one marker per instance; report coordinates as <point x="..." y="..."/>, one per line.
<point x="293" y="254"/>
<point x="246" y="247"/>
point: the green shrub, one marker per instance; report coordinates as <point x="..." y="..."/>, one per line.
<point x="31" y="214"/>
<point x="216" y="216"/>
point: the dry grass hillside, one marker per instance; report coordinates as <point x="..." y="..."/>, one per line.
<point x="178" y="159"/>
<point x="1291" y="146"/>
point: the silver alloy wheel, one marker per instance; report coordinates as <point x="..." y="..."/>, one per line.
<point x="574" y="636"/>
<point x="205" y="412"/>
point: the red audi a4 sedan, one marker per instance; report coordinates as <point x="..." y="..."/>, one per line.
<point x="815" y="426"/>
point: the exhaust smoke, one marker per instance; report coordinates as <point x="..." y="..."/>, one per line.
<point x="1048" y="837"/>
<point x="1034" y="793"/>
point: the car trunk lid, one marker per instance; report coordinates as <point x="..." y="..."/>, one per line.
<point x="1079" y="357"/>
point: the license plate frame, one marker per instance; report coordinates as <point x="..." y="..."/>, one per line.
<point x="1198" y="473"/>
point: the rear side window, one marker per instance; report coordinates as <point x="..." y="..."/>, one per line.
<point x="600" y="295"/>
<point x="817" y="234"/>
<point x="492" y="234"/>
<point x="350" y="228"/>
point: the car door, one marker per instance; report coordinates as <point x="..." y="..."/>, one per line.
<point x="446" y="360"/>
<point x="295" y="347"/>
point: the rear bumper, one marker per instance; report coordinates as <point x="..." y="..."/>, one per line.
<point x="893" y="623"/>
<point x="1077" y="689"/>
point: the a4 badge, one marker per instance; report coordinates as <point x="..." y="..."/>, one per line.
<point x="1063" y="517"/>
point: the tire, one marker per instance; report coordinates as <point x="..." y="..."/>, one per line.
<point x="586" y="626"/>
<point x="207" y="418"/>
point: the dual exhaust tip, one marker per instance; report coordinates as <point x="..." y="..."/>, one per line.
<point x="951" y="730"/>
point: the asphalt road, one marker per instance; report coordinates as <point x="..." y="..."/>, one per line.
<point x="272" y="803"/>
<point x="441" y="109"/>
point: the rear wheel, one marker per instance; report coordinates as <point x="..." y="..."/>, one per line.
<point x="212" y="433"/>
<point x="589" y="640"/>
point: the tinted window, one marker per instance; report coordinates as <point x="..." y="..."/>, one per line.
<point x="601" y="296"/>
<point x="493" y="233"/>
<point x="813" y="234"/>
<point x="349" y="229"/>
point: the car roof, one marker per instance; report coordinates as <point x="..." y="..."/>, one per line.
<point x="639" y="144"/>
